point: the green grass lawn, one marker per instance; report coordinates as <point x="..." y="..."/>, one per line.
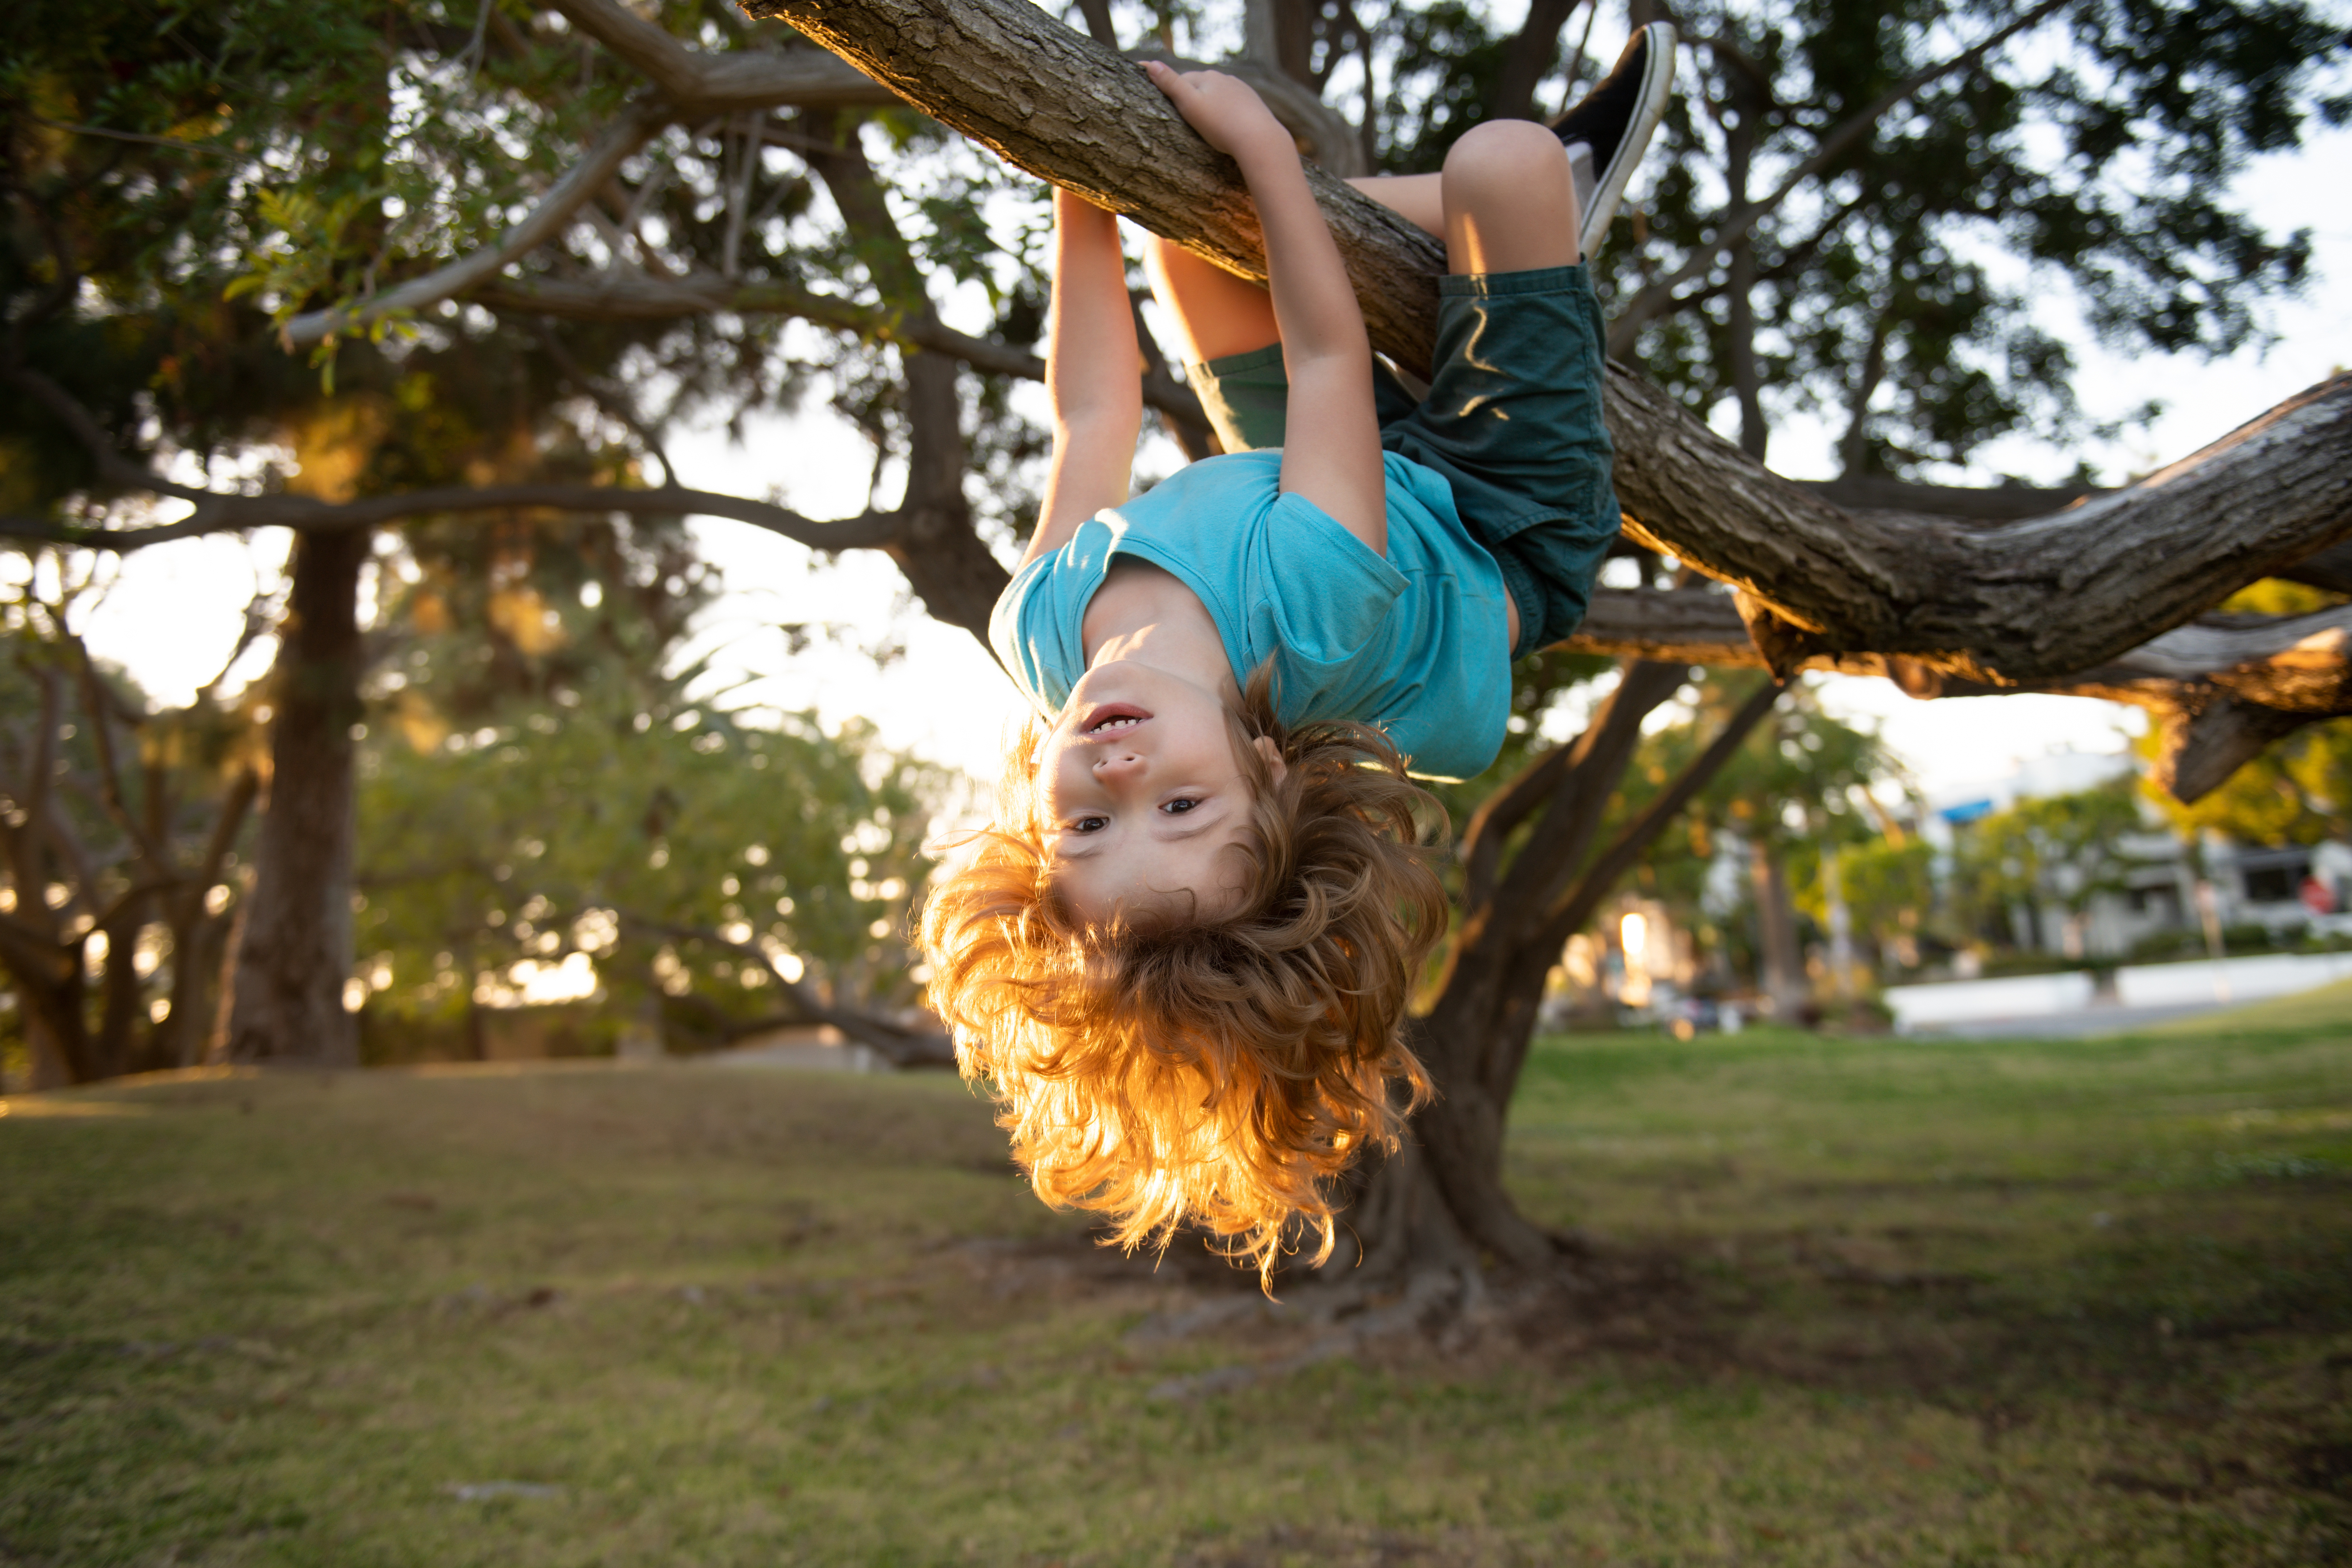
<point x="1845" y="1302"/>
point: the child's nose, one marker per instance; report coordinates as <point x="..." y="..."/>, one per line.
<point x="1118" y="766"/>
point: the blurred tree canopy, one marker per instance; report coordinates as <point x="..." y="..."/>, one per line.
<point x="674" y="847"/>
<point x="2059" y="852"/>
<point x="1845" y="193"/>
<point x="1743" y="859"/>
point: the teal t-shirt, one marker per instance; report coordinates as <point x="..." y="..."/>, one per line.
<point x="1416" y="643"/>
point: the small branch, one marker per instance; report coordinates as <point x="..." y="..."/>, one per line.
<point x="1575" y="906"/>
<point x="904" y="1047"/>
<point x="614" y="400"/>
<point x="174" y="144"/>
<point x="544" y="222"/>
<point x="2200" y="747"/>
<point x="218" y="513"/>
<point x="97" y="708"/>
<point x="257" y="619"/>
<point x="114" y="467"/>
<point x="638" y="297"/>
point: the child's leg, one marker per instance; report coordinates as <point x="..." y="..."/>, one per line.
<point x="1509" y="200"/>
<point x="1504" y="204"/>
<point x="1416" y="198"/>
<point x="1217" y="314"/>
<point x="1512" y="418"/>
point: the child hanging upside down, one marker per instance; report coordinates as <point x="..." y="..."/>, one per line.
<point x="1181" y="953"/>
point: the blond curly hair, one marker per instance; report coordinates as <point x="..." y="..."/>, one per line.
<point x="1213" y="1072"/>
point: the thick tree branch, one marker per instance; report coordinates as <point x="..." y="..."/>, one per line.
<point x="2299" y="664"/>
<point x="1069" y="110"/>
<point x="2024" y="604"/>
<point x="2223" y="687"/>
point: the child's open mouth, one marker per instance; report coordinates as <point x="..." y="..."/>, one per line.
<point x="1110" y="720"/>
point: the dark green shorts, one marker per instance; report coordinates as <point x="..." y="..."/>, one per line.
<point x="1512" y="420"/>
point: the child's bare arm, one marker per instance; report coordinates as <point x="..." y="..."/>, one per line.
<point x="1331" y="452"/>
<point x="1092" y="375"/>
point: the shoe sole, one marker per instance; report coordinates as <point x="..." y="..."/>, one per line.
<point x="1657" y="90"/>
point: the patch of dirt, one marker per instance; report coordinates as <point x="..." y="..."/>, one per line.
<point x="1075" y="1264"/>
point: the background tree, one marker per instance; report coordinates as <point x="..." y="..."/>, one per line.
<point x="121" y="828"/>
<point x="624" y="837"/>
<point x="1799" y="785"/>
<point x="2046" y="858"/>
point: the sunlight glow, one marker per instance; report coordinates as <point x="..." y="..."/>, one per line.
<point x="1633" y="936"/>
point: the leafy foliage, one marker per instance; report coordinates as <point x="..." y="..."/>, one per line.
<point x="2061" y="850"/>
<point x="618" y="836"/>
<point x="2298" y="792"/>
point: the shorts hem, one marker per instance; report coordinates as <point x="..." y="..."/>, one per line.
<point x="1574" y="277"/>
<point x="1267" y="358"/>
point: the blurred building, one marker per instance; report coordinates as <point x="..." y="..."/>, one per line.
<point x="2287" y="889"/>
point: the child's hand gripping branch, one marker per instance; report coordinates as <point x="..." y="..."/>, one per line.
<point x="1182" y="951"/>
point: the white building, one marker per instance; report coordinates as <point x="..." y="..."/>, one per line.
<point x="2251" y="885"/>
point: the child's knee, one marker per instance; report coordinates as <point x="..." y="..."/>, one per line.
<point x="1501" y="158"/>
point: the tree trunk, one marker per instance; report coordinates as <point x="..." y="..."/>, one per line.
<point x="295" y="953"/>
<point x="1783" y="966"/>
<point x="1739" y="138"/>
<point x="48" y="978"/>
<point x="1530" y="58"/>
<point x="1441" y="1199"/>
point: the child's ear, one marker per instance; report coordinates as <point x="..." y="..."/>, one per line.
<point x="1275" y="765"/>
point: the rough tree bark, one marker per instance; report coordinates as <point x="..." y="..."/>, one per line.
<point x="295" y="952"/>
<point x="2225" y="685"/>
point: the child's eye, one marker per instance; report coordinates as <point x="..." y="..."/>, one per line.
<point x="1180" y="805"/>
<point x="1089" y="824"/>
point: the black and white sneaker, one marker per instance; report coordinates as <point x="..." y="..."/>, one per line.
<point x="1609" y="129"/>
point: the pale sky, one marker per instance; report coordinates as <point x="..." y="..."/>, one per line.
<point x="173" y="613"/>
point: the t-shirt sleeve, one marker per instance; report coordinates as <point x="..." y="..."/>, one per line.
<point x="1021" y="634"/>
<point x="1329" y="590"/>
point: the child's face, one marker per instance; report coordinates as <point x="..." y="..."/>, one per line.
<point x="1142" y="796"/>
